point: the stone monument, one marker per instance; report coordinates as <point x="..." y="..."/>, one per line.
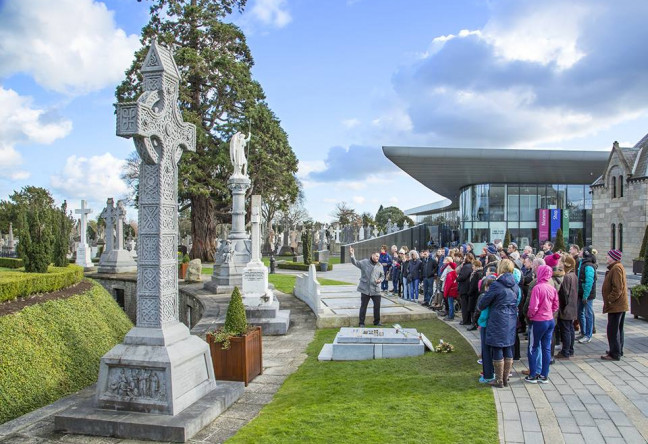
<point x="405" y="225"/>
<point x="234" y="254"/>
<point x="255" y="275"/>
<point x="10" y="241"/>
<point x="83" y="257"/>
<point x="160" y="370"/>
<point x="361" y="233"/>
<point x="117" y="259"/>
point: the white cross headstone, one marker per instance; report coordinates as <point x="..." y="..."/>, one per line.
<point x="83" y="257"/>
<point x="337" y="233"/>
<point x="255" y="274"/>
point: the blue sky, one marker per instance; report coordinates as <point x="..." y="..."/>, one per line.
<point x="345" y="77"/>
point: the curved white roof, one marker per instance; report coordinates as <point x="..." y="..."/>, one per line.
<point x="447" y="170"/>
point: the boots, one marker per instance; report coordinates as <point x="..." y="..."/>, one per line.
<point x="499" y="372"/>
<point x="508" y="365"/>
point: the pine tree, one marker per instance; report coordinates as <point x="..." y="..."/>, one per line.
<point x="507" y="239"/>
<point x="559" y="241"/>
<point x="35" y="232"/>
<point x="235" y="320"/>
<point x="644" y="244"/>
<point x="61" y="239"/>
<point x="579" y="239"/>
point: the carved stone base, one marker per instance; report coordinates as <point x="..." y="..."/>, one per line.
<point x="255" y="285"/>
<point x="227" y="275"/>
<point x="83" y="257"/>
<point x="155" y="371"/>
<point x="117" y="261"/>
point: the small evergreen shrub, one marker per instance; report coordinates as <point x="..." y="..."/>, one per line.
<point x="507" y="239"/>
<point x="235" y="321"/>
<point x="644" y="244"/>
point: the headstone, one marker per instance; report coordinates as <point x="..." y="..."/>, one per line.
<point x="11" y="243"/>
<point x="194" y="271"/>
<point x="405" y="225"/>
<point x="117" y="259"/>
<point x="83" y="254"/>
<point x="234" y="256"/>
<point x="375" y="231"/>
<point x="160" y="367"/>
<point x="390" y="226"/>
<point x="361" y="233"/>
<point x="307" y="288"/>
<point x="108" y="214"/>
<point x="255" y="274"/>
<point x="322" y="236"/>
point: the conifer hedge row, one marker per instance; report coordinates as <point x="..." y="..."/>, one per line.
<point x="10" y="262"/>
<point x="53" y="349"/>
<point x="15" y="284"/>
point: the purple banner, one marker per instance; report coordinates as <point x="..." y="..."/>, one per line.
<point x="556" y="219"/>
<point x="543" y="225"/>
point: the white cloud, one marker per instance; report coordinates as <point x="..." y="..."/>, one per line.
<point x="350" y="123"/>
<point x="21" y="123"/>
<point x="68" y="46"/>
<point x="358" y="199"/>
<point x="95" y="178"/>
<point x="309" y="166"/>
<point x="271" y="13"/>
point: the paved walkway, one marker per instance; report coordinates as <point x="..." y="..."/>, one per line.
<point x="587" y="400"/>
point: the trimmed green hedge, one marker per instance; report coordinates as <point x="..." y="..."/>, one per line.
<point x="53" y="349"/>
<point x="288" y="265"/>
<point x="10" y="262"/>
<point x="16" y="284"/>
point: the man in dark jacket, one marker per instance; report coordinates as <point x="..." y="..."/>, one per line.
<point x="615" y="304"/>
<point x="568" y="311"/>
<point x="463" y="283"/>
<point x="586" y="273"/>
<point x="430" y="267"/>
<point x="371" y="275"/>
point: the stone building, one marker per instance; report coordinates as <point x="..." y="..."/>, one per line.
<point x="620" y="202"/>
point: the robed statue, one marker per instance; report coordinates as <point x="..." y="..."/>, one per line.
<point x="237" y="153"/>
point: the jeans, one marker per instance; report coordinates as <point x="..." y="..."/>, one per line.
<point x="586" y="316"/>
<point x="428" y="287"/>
<point x="406" y="288"/>
<point x="395" y="279"/>
<point x="414" y="291"/>
<point x="615" y="334"/>
<point x="364" y="302"/>
<point x="567" y="337"/>
<point x="451" y="307"/>
<point x="487" y="357"/>
<point x="540" y="338"/>
<point x="500" y="353"/>
<point x="384" y="285"/>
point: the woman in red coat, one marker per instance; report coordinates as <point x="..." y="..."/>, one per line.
<point x="451" y="289"/>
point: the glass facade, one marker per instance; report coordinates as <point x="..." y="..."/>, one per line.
<point x="487" y="211"/>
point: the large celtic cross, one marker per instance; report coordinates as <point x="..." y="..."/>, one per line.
<point x="160" y="135"/>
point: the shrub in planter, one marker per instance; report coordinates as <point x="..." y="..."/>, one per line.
<point x="639" y="301"/>
<point x="184" y="265"/>
<point x="236" y="348"/>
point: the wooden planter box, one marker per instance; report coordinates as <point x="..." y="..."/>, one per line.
<point x="637" y="267"/>
<point x="182" y="270"/>
<point x="639" y="306"/>
<point x="243" y="361"/>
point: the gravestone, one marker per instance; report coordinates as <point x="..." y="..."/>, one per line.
<point x="161" y="377"/>
<point x="405" y="225"/>
<point x="10" y="241"/>
<point x="117" y="259"/>
<point x="83" y="255"/>
<point x="355" y="344"/>
<point x="361" y="233"/>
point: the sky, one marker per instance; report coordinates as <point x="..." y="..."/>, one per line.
<point x="345" y="77"/>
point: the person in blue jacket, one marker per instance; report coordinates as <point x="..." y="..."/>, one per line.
<point x="587" y="293"/>
<point x="386" y="262"/>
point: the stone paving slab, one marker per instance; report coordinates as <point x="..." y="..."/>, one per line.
<point x="587" y="400"/>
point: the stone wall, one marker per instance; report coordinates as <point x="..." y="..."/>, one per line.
<point x="629" y="210"/>
<point x="190" y="309"/>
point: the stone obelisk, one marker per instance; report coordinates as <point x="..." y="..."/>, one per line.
<point x="83" y="250"/>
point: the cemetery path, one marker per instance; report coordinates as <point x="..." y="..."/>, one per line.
<point x="587" y="400"/>
<point x="18" y="304"/>
<point x="282" y="355"/>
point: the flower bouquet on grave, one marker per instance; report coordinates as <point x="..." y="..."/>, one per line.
<point x="444" y="347"/>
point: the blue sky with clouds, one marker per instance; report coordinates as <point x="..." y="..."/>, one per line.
<point x="345" y="77"/>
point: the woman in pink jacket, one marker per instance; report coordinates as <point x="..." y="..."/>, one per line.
<point x="543" y="304"/>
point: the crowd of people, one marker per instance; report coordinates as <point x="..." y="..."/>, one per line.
<point x="543" y="297"/>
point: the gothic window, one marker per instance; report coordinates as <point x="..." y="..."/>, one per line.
<point x="614" y="187"/>
<point x="621" y="185"/>
<point x="621" y="237"/>
<point x="613" y="237"/>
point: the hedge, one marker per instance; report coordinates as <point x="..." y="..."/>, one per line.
<point x="10" y="262"/>
<point x="53" y="349"/>
<point x="288" y="265"/>
<point x="15" y="284"/>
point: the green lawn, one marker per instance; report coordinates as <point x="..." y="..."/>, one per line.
<point x="286" y="282"/>
<point x="266" y="261"/>
<point x="9" y="269"/>
<point x="432" y="398"/>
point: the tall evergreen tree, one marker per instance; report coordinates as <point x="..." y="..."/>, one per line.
<point x="63" y="226"/>
<point x="559" y="241"/>
<point x="218" y="95"/>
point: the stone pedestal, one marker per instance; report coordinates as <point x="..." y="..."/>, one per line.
<point x="84" y="257"/>
<point x="117" y="261"/>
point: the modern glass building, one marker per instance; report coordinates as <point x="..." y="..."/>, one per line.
<point x="531" y="193"/>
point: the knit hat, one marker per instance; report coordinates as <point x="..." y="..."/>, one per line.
<point x="615" y="255"/>
<point x="492" y="249"/>
<point x="552" y="260"/>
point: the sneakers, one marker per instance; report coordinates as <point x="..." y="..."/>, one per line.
<point x="531" y="379"/>
<point x="585" y="340"/>
<point x="480" y="362"/>
<point x="543" y="379"/>
<point x="483" y="380"/>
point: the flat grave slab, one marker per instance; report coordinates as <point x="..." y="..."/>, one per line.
<point x="355" y="344"/>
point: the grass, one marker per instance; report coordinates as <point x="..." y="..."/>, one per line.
<point x="431" y="398"/>
<point x="10" y="269"/>
<point x="286" y="282"/>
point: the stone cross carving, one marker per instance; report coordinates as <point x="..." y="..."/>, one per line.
<point x="10" y="242"/>
<point x="109" y="214"/>
<point x="161" y="136"/>
<point x="121" y="220"/>
<point x="83" y="219"/>
<point x="255" y="219"/>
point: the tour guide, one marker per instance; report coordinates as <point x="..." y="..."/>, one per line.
<point x="371" y="275"/>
